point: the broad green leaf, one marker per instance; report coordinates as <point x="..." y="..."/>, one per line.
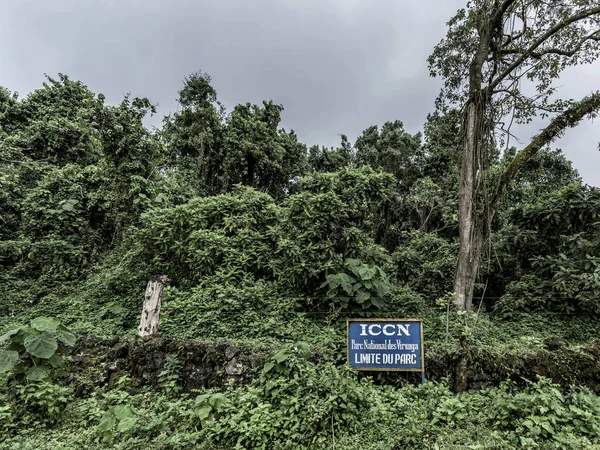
<point x="66" y="337"/>
<point x="304" y="347"/>
<point x="347" y="287"/>
<point x="37" y="373"/>
<point x="45" y="323"/>
<point x="333" y="280"/>
<point x="41" y="346"/>
<point x="8" y="360"/>
<point x="55" y="361"/>
<point x="203" y="412"/>
<point x="383" y="288"/>
<point x="366" y="273"/>
<point x="200" y="399"/>
<point x="281" y="356"/>
<point x="377" y="302"/>
<point x="546" y="426"/>
<point x="268" y="367"/>
<point x="116" y="309"/>
<point x="126" y="424"/>
<point x="107" y="422"/>
<point x="217" y="400"/>
<point x="7" y="336"/>
<point x="122" y="412"/>
<point x="362" y="296"/>
<point x="107" y="436"/>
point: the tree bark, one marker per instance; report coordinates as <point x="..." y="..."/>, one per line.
<point x="151" y="307"/>
<point x="466" y="270"/>
<point x="470" y="229"/>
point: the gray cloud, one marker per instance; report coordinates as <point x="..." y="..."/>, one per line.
<point x="338" y="66"/>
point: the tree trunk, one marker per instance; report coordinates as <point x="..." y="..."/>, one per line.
<point x="151" y="308"/>
<point x="474" y="224"/>
<point x="474" y="155"/>
<point x="469" y="229"/>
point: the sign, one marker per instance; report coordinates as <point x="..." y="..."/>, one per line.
<point x="385" y="344"/>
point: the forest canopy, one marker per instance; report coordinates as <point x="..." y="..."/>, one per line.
<point x="216" y="197"/>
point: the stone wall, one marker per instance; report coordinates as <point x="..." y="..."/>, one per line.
<point x="100" y="362"/>
<point x="203" y="364"/>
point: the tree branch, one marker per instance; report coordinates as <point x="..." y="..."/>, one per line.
<point x="567" y="119"/>
<point x="540" y="40"/>
<point x="497" y="18"/>
<point x="595" y="36"/>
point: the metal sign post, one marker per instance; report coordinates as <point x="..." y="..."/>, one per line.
<point x="386" y="345"/>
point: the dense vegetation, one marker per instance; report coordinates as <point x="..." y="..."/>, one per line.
<point x="272" y="244"/>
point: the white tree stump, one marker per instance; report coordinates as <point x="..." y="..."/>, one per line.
<point x="151" y="308"/>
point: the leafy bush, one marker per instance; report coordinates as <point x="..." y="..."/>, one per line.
<point x="361" y="285"/>
<point x="229" y="233"/>
<point x="426" y="262"/>
<point x="294" y="404"/>
<point x="553" y="248"/>
<point x="230" y="308"/>
<point x="32" y="404"/>
<point x="35" y="352"/>
<point x="245" y="234"/>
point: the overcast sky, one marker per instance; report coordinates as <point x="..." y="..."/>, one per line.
<point x="337" y="66"/>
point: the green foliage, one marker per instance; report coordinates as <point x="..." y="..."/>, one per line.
<point x="272" y="245"/>
<point x="169" y="377"/>
<point x="212" y="152"/>
<point x="393" y="151"/>
<point x="360" y="285"/>
<point x="35" y="352"/>
<point x="426" y="262"/>
<point x="333" y="218"/>
<point x="222" y="308"/>
<point x="321" y="159"/>
<point x="299" y="404"/>
<point x="119" y="418"/>
<point x="554" y="249"/>
<point x="294" y="404"/>
<point x="72" y="171"/>
<point x="210" y="406"/>
<point x="245" y="232"/>
<point x="229" y="233"/>
<point x="33" y="404"/>
<point x="258" y="154"/>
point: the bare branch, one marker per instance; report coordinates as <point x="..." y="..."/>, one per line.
<point x="543" y="38"/>
<point x="567" y="119"/>
<point x="512" y="38"/>
<point x="497" y="19"/>
<point x="595" y="36"/>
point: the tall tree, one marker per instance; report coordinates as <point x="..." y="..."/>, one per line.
<point x="493" y="48"/>
<point x="393" y="150"/>
<point x="260" y="154"/>
<point x="211" y="151"/>
<point x="194" y="138"/>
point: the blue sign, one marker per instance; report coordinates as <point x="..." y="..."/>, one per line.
<point x="385" y="344"/>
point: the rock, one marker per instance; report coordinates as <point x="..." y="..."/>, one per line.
<point x="120" y="350"/>
<point x="555" y="344"/>
<point x="231" y="352"/>
<point x="111" y="342"/>
<point x="234" y="367"/>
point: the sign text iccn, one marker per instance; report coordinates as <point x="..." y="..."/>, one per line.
<point x="385" y="344"/>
